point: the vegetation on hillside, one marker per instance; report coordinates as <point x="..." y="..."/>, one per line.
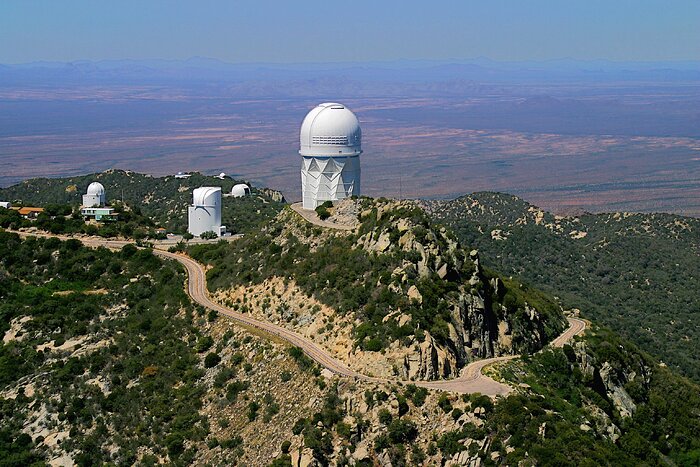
<point x="66" y="219"/>
<point x="574" y="411"/>
<point x="636" y="273"/>
<point x="99" y="352"/>
<point x="342" y="274"/>
<point x="107" y="361"/>
<point x="163" y="200"/>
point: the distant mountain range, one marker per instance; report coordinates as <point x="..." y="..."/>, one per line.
<point x="480" y="69"/>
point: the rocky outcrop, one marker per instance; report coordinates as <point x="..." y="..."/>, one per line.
<point x="430" y="362"/>
<point x="616" y="393"/>
<point x="611" y="380"/>
<point x="479" y="324"/>
<point x="274" y="195"/>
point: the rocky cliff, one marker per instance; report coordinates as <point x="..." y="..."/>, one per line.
<point x="483" y="317"/>
<point x="397" y="296"/>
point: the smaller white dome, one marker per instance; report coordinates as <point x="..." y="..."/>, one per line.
<point x="240" y="190"/>
<point x="96" y="189"/>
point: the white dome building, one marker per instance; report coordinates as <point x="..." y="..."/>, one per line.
<point x="205" y="213"/>
<point x="95" y="197"/>
<point x="240" y="190"/>
<point x="330" y="146"/>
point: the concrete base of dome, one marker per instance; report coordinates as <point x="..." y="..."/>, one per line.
<point x="329" y="179"/>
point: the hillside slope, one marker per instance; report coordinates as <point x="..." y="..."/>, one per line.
<point x="636" y="273"/>
<point x="104" y="360"/>
<point x="163" y="199"/>
<point x="397" y="297"/>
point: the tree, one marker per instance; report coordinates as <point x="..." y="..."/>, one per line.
<point x="323" y="213"/>
<point x="211" y="360"/>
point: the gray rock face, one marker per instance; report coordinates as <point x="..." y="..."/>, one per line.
<point x="619" y="397"/>
<point x="274" y="195"/>
<point x="432" y="362"/>
<point x="476" y="326"/>
<point x="384" y="459"/>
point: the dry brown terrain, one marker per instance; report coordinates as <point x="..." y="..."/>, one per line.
<point x="414" y="147"/>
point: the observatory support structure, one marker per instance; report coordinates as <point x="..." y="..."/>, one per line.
<point x="329" y="179"/>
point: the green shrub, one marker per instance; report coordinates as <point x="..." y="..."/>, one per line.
<point x="402" y="431"/>
<point x="444" y="403"/>
<point x="384" y="416"/>
<point x="323" y="213"/>
<point x="211" y="360"/>
<point x="235" y="388"/>
<point x="253" y="408"/>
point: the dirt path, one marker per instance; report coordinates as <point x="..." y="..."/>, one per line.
<point x="313" y="218"/>
<point x="471" y="379"/>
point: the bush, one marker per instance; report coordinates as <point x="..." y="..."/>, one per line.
<point x="304" y="362"/>
<point x="236" y="359"/>
<point x="234" y="389"/>
<point x="211" y="360"/>
<point x="373" y="345"/>
<point x="323" y="213"/>
<point x="384" y="416"/>
<point x="232" y="443"/>
<point x="204" y="343"/>
<point x="402" y="431"/>
<point x="253" y="408"/>
<point x="444" y="403"/>
<point x="224" y="376"/>
<point x="416" y="394"/>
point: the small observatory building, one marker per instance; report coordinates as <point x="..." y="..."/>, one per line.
<point x="240" y="190"/>
<point x="330" y="147"/>
<point x="95" y="196"/>
<point x="205" y="213"/>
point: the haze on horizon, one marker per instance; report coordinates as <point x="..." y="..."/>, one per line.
<point x="318" y="31"/>
<point x="579" y="106"/>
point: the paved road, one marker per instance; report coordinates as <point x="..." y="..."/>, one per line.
<point x="470" y="380"/>
<point x="576" y="327"/>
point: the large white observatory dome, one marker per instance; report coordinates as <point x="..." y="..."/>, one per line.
<point x="330" y="129"/>
<point x="95" y="189"/>
<point x="330" y="146"/>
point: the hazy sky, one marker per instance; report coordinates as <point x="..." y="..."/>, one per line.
<point x="354" y="30"/>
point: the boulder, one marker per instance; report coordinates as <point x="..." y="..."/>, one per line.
<point x="414" y="294"/>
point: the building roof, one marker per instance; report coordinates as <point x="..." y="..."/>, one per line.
<point x="206" y="196"/>
<point x="330" y="129"/>
<point x="28" y="210"/>
<point x="240" y="190"/>
<point x="95" y="189"/>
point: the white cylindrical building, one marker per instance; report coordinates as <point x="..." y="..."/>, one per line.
<point x="240" y="190"/>
<point x="205" y="213"/>
<point x="95" y="196"/>
<point x="330" y="146"/>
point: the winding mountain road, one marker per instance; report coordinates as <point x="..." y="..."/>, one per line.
<point x="471" y="379"/>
